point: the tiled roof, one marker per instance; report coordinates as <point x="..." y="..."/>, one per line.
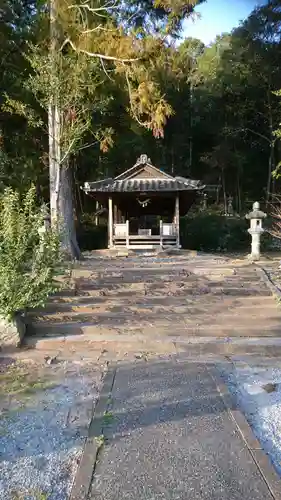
<point x="142" y="185"/>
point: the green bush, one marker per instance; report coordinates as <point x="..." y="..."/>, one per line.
<point x="28" y="263"/>
<point x="211" y="232"/>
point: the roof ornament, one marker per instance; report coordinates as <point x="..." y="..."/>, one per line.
<point x="143" y="160"/>
<point x="143" y="203"/>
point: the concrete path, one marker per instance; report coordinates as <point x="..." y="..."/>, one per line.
<point x="171" y="437"/>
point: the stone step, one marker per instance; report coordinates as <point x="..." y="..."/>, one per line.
<point x="176" y="306"/>
<point x="155" y="297"/>
<point x="163" y="303"/>
<point x="163" y="276"/>
<point x="255" y="307"/>
<point x="152" y="288"/>
<point x="118" y="296"/>
<point x="184" y="312"/>
<point x="117" y="272"/>
<point x="175" y="266"/>
<point x="153" y="331"/>
<point x="134" y="283"/>
<point x="132" y="279"/>
<point x="270" y="345"/>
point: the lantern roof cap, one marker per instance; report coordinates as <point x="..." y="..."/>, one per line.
<point x="256" y="213"/>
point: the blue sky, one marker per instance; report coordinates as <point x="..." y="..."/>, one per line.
<point x="218" y="16"/>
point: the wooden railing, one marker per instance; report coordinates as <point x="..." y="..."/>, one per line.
<point x="144" y="232"/>
<point x="167" y="229"/>
<point x="167" y="235"/>
<point x="120" y="230"/>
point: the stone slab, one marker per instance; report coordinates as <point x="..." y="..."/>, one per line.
<point x="86" y="468"/>
<point x="270" y="475"/>
<point x="172" y="437"/>
<point x="235" y="413"/>
<point x="11" y="333"/>
<point x="265" y="277"/>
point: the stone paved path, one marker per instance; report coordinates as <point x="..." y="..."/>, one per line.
<point x="167" y="299"/>
<point x="172" y="438"/>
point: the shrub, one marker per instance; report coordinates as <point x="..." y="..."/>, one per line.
<point x="28" y="264"/>
<point x="212" y="232"/>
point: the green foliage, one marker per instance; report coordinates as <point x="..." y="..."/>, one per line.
<point x="214" y="233"/>
<point x="27" y="263"/>
<point x="108" y="418"/>
<point x="225" y="96"/>
<point x="209" y="232"/>
<point x="23" y="145"/>
<point x="100" y="440"/>
<point x="67" y="71"/>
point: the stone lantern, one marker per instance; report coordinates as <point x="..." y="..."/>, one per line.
<point x="46" y="222"/>
<point x="205" y="201"/>
<point x="230" y="211"/>
<point x="256" y="217"/>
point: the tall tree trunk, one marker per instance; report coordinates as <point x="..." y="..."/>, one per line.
<point x="173" y="161"/>
<point x="61" y="195"/>
<point x="191" y="130"/>
<point x="269" y="174"/>
<point x="78" y="202"/>
<point x="52" y="111"/>
<point x="239" y="177"/>
<point x="224" y="191"/>
<point x="271" y="151"/>
<point x="239" y="205"/>
<point x="218" y="191"/>
<point x="55" y="157"/>
<point x="66" y="209"/>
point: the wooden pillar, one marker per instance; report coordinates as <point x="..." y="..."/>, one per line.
<point x="110" y="223"/>
<point x="177" y="219"/>
<point x="115" y="215"/>
<point x="127" y="234"/>
<point x="97" y="217"/>
<point x="161" y="233"/>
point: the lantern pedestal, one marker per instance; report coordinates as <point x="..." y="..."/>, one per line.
<point x="255" y="244"/>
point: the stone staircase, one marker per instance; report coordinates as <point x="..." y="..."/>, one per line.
<point x="164" y="299"/>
